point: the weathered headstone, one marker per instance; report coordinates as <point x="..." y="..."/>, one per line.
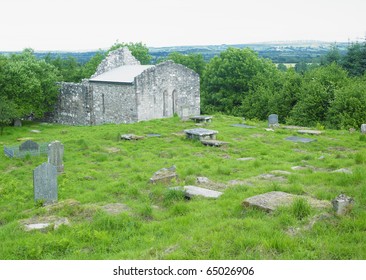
<point x="342" y="204"/>
<point x="17" y="123"/>
<point x="55" y="155"/>
<point x="363" y="128"/>
<point x="45" y="183"/>
<point x="273" y="120"/>
<point x="29" y="145"/>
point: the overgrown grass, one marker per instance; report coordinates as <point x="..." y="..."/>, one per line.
<point x="160" y="222"/>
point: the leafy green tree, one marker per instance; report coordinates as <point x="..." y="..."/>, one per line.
<point x="317" y="93"/>
<point x="8" y="112"/>
<point x="355" y="59"/>
<point x="282" y="67"/>
<point x="91" y="66"/>
<point x="333" y="56"/>
<point x="349" y="106"/>
<point x="29" y="83"/>
<point x="195" y="62"/>
<point x="69" y="68"/>
<point x="231" y="80"/>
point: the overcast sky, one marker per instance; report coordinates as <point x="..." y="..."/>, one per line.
<point x="89" y="24"/>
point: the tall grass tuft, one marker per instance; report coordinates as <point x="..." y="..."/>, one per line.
<point x="300" y="208"/>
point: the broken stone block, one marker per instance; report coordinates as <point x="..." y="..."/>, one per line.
<point x="342" y="204"/>
<point x="213" y="143"/>
<point x="164" y="175"/>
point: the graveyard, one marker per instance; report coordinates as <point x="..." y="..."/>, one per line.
<point x="156" y="190"/>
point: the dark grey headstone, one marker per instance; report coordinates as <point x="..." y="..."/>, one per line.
<point x="29" y="145"/>
<point x="243" y="125"/>
<point x="55" y="155"/>
<point x="299" y="139"/>
<point x="17" y="123"/>
<point x="272" y="120"/>
<point x="45" y="183"/>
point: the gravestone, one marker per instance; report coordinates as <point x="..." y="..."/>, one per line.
<point x="363" y="128"/>
<point x="17" y="123"/>
<point x="29" y="145"/>
<point x="55" y="155"/>
<point x="164" y="175"/>
<point x="273" y="120"/>
<point x="191" y="191"/>
<point x="45" y="183"/>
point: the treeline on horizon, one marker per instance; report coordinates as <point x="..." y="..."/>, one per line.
<point x="329" y="93"/>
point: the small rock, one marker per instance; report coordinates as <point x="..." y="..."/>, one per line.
<point x="203" y="180"/>
<point x="131" y="137"/>
<point x="164" y="175"/>
<point x="35" y="131"/>
<point x="343" y="170"/>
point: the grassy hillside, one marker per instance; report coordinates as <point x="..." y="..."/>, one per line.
<point x="159" y="223"/>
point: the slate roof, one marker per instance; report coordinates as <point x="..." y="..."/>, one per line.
<point x="122" y="74"/>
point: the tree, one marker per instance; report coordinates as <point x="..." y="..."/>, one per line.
<point x="231" y="80"/>
<point x="355" y="59"/>
<point x="8" y="112"/>
<point x="69" y="68"/>
<point x="29" y="83"/>
<point x="91" y="66"/>
<point x="195" y="62"/>
<point x="317" y="93"/>
<point x="349" y="106"/>
<point x="333" y="56"/>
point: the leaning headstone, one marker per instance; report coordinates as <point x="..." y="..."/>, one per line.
<point x="342" y="204"/>
<point x="363" y="128"/>
<point x="273" y="120"/>
<point x="29" y="145"/>
<point x="45" y="183"/>
<point x="55" y="155"/>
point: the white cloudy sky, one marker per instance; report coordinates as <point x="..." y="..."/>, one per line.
<point x="89" y="24"/>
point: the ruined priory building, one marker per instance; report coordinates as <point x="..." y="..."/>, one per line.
<point x="123" y="91"/>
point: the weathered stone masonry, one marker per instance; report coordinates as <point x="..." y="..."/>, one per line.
<point x="122" y="91"/>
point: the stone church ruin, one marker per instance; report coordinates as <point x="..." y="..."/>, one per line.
<point x="123" y="91"/>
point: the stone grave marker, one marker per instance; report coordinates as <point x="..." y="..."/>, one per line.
<point x="45" y="183"/>
<point x="299" y="139"/>
<point x="55" y="155"/>
<point x="273" y="120"/>
<point x="309" y="131"/>
<point x="191" y="191"/>
<point x="201" y="134"/>
<point x="342" y="204"/>
<point x="164" y="175"/>
<point x="29" y="145"/>
<point x="363" y="128"/>
<point x="17" y="123"/>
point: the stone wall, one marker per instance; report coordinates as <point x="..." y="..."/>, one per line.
<point x="113" y="103"/>
<point x="167" y="89"/>
<point x="74" y="104"/>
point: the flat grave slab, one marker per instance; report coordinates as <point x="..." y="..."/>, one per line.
<point x="272" y="200"/>
<point x="164" y="175"/>
<point x="191" y="191"/>
<point x="243" y="125"/>
<point x="300" y="139"/>
<point x="153" y="135"/>
<point x="201" y="134"/>
<point x="131" y="137"/>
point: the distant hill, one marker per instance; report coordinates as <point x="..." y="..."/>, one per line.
<point x="278" y="52"/>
